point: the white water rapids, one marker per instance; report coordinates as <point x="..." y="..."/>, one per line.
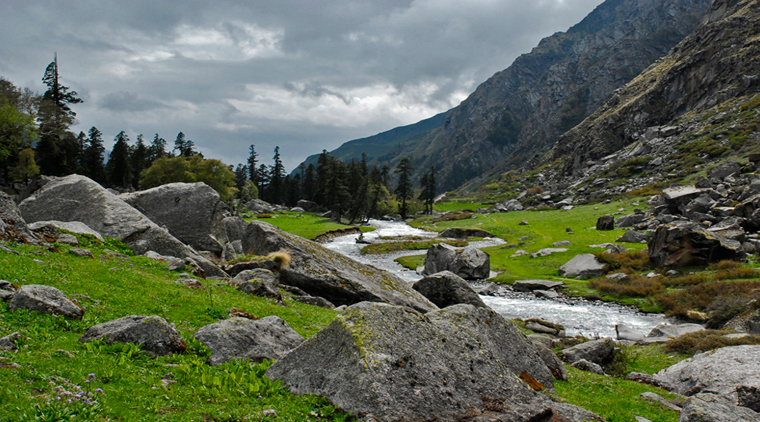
<point x="587" y="318"/>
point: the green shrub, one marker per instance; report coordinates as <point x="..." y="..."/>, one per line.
<point x="703" y="341"/>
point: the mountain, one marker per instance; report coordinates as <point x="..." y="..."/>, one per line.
<point x="521" y="112"/>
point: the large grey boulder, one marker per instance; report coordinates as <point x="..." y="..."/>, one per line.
<point x="634" y="236"/>
<point x="153" y="333"/>
<point x="243" y="338"/>
<point x="321" y="272"/>
<point x="531" y="285"/>
<point x="446" y="289"/>
<point x="582" y="266"/>
<point x="722" y="371"/>
<point x="688" y="244"/>
<point x="192" y="212"/>
<point x="724" y="170"/>
<point x="77" y="198"/>
<point x="71" y="226"/>
<point x="712" y="408"/>
<point x="13" y="227"/>
<point x="45" y="300"/>
<point x="261" y="274"/>
<point x="605" y="223"/>
<point x="383" y="362"/>
<point x="600" y="352"/>
<point x="469" y="262"/>
<point x="674" y="330"/>
<point x="746" y="322"/>
<point x="630" y="220"/>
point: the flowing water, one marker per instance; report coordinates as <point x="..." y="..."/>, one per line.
<point x="578" y="317"/>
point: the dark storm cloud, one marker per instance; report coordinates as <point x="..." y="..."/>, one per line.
<point x="304" y="75"/>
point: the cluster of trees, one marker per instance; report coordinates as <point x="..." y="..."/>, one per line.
<point x="35" y="139"/>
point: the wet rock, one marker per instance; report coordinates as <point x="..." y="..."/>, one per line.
<point x="396" y="364"/>
<point x="153" y="333"/>
<point x="583" y="266"/>
<point x="627" y="333"/>
<point x="243" y="338"/>
<point x="446" y="288"/>
<point x="674" y="331"/>
<point x="469" y="263"/>
<point x="45" y="300"/>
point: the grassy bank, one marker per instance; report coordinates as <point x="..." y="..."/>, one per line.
<point x="305" y="224"/>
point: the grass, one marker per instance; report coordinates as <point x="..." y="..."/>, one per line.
<point x="305" y="224"/>
<point x="111" y="286"/>
<point x="409" y="245"/>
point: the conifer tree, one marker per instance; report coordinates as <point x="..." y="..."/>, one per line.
<point x="276" y="193"/>
<point x="404" y="188"/>
<point x="427" y="195"/>
<point x="157" y="149"/>
<point x="309" y="183"/>
<point x="93" y="156"/>
<point x="183" y="146"/>
<point x="251" y="164"/>
<point x="139" y="158"/>
<point x="118" y="168"/>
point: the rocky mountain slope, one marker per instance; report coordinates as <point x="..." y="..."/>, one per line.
<point x="522" y="110"/>
<point x="679" y="119"/>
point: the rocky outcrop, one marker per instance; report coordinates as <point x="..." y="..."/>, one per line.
<point x="712" y="408"/>
<point x="469" y="262"/>
<point x="600" y="352"/>
<point x="71" y="226"/>
<point x="77" y="198"/>
<point x="45" y="300"/>
<point x="153" y="333"/>
<point x="324" y="273"/>
<point x="447" y="289"/>
<point x="384" y="362"/>
<point x="192" y="212"/>
<point x="722" y="371"/>
<point x="13" y="227"/>
<point x="243" y="338"/>
<point x="689" y="244"/>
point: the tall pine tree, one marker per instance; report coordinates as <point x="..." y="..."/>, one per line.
<point x="118" y="167"/>
<point x="93" y="156"/>
<point x="404" y="189"/>
<point x="276" y="191"/>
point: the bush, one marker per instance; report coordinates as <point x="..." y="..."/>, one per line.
<point x="702" y="341"/>
<point x="638" y="286"/>
<point x="627" y="262"/>
<point x="701" y="296"/>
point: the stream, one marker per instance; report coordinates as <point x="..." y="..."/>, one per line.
<point x="580" y="317"/>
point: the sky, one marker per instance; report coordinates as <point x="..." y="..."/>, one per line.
<point x="304" y="75"/>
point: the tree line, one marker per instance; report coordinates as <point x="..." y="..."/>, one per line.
<point x="35" y="139"/>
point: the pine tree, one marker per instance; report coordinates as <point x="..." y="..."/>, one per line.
<point x="427" y="196"/>
<point x="183" y="146"/>
<point x="251" y="164"/>
<point x="93" y="156"/>
<point x="139" y="158"/>
<point x="276" y="193"/>
<point x="262" y="175"/>
<point x="404" y="187"/>
<point x="57" y="148"/>
<point x="157" y="149"/>
<point x="241" y="176"/>
<point x="309" y="183"/>
<point x="118" y="167"/>
<point x="359" y="186"/>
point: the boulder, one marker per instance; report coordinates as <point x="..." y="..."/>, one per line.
<point x="531" y="285"/>
<point x="712" y="408"/>
<point x="547" y="252"/>
<point x="383" y="362"/>
<point x="627" y="333"/>
<point x="257" y="206"/>
<point x="746" y="322"/>
<point x="689" y="244"/>
<point x="192" y="212"/>
<point x="153" y="333"/>
<point x="630" y="220"/>
<point x="700" y="205"/>
<point x="13" y="227"/>
<point x="458" y="233"/>
<point x="723" y="170"/>
<point x="315" y="301"/>
<point x="635" y="236"/>
<point x="321" y="272"/>
<point x="600" y="352"/>
<point x="513" y="205"/>
<point x="72" y="226"/>
<point x="587" y="366"/>
<point x="469" y="262"/>
<point x="260" y="274"/>
<point x="722" y="371"/>
<point x="309" y="206"/>
<point x="551" y="361"/>
<point x="674" y="331"/>
<point x="582" y="266"/>
<point x="446" y="289"/>
<point x="605" y="222"/>
<point x="243" y="338"/>
<point x="45" y="300"/>
<point x="77" y="198"/>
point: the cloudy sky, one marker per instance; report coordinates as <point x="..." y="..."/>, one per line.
<point x="305" y="75"/>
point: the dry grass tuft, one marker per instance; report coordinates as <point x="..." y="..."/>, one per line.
<point x="281" y="258"/>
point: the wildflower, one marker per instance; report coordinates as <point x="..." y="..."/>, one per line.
<point x="58" y="398"/>
<point x="98" y="390"/>
<point x="86" y="381"/>
<point x="68" y="401"/>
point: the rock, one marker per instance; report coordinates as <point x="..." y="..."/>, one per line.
<point x="104" y="212"/>
<point x="72" y="226"/>
<point x="309" y="206"/>
<point x="297" y="209"/>
<point x="712" y="408"/>
<point x="646" y="379"/>
<point x="446" y="288"/>
<point x="548" y="294"/>
<point x="674" y="331"/>
<point x="700" y="205"/>
<point x="551" y="361"/>
<point x="587" y="366"/>
<point x="635" y="236"/>
<point x="82" y="253"/>
<point x="13" y="227"/>
<point x="626" y="333"/>
<point x="458" y="233"/>
<point x="153" y="333"/>
<point x="513" y="205"/>
<point x="469" y="262"/>
<point x="8" y="343"/>
<point x="228" y="253"/>
<point x="722" y="371"/>
<point x="746" y="322"/>
<point x="257" y="206"/>
<point x="190" y="283"/>
<point x="315" y="301"/>
<point x="749" y="397"/>
<point x="324" y="273"/>
<point x="6" y="295"/>
<point x="45" y="300"/>
<point x="605" y="222"/>
<point x="192" y="212"/>
<point x="600" y="352"/>
<point x="490" y="289"/>
<point x="523" y="223"/>
<point x="562" y="243"/>
<point x="723" y="170"/>
<point x="629" y="220"/>
<point x="260" y="288"/>
<point x="395" y="364"/>
<point x="656" y="398"/>
<point x="68" y="239"/>
<point x="619" y="277"/>
<point x="583" y="266"/>
<point x="531" y="285"/>
<point x="547" y="252"/>
<point x="541" y="328"/>
<point x="8" y="286"/>
<point x="254" y="340"/>
<point x="687" y="245"/>
<point x="260" y="274"/>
